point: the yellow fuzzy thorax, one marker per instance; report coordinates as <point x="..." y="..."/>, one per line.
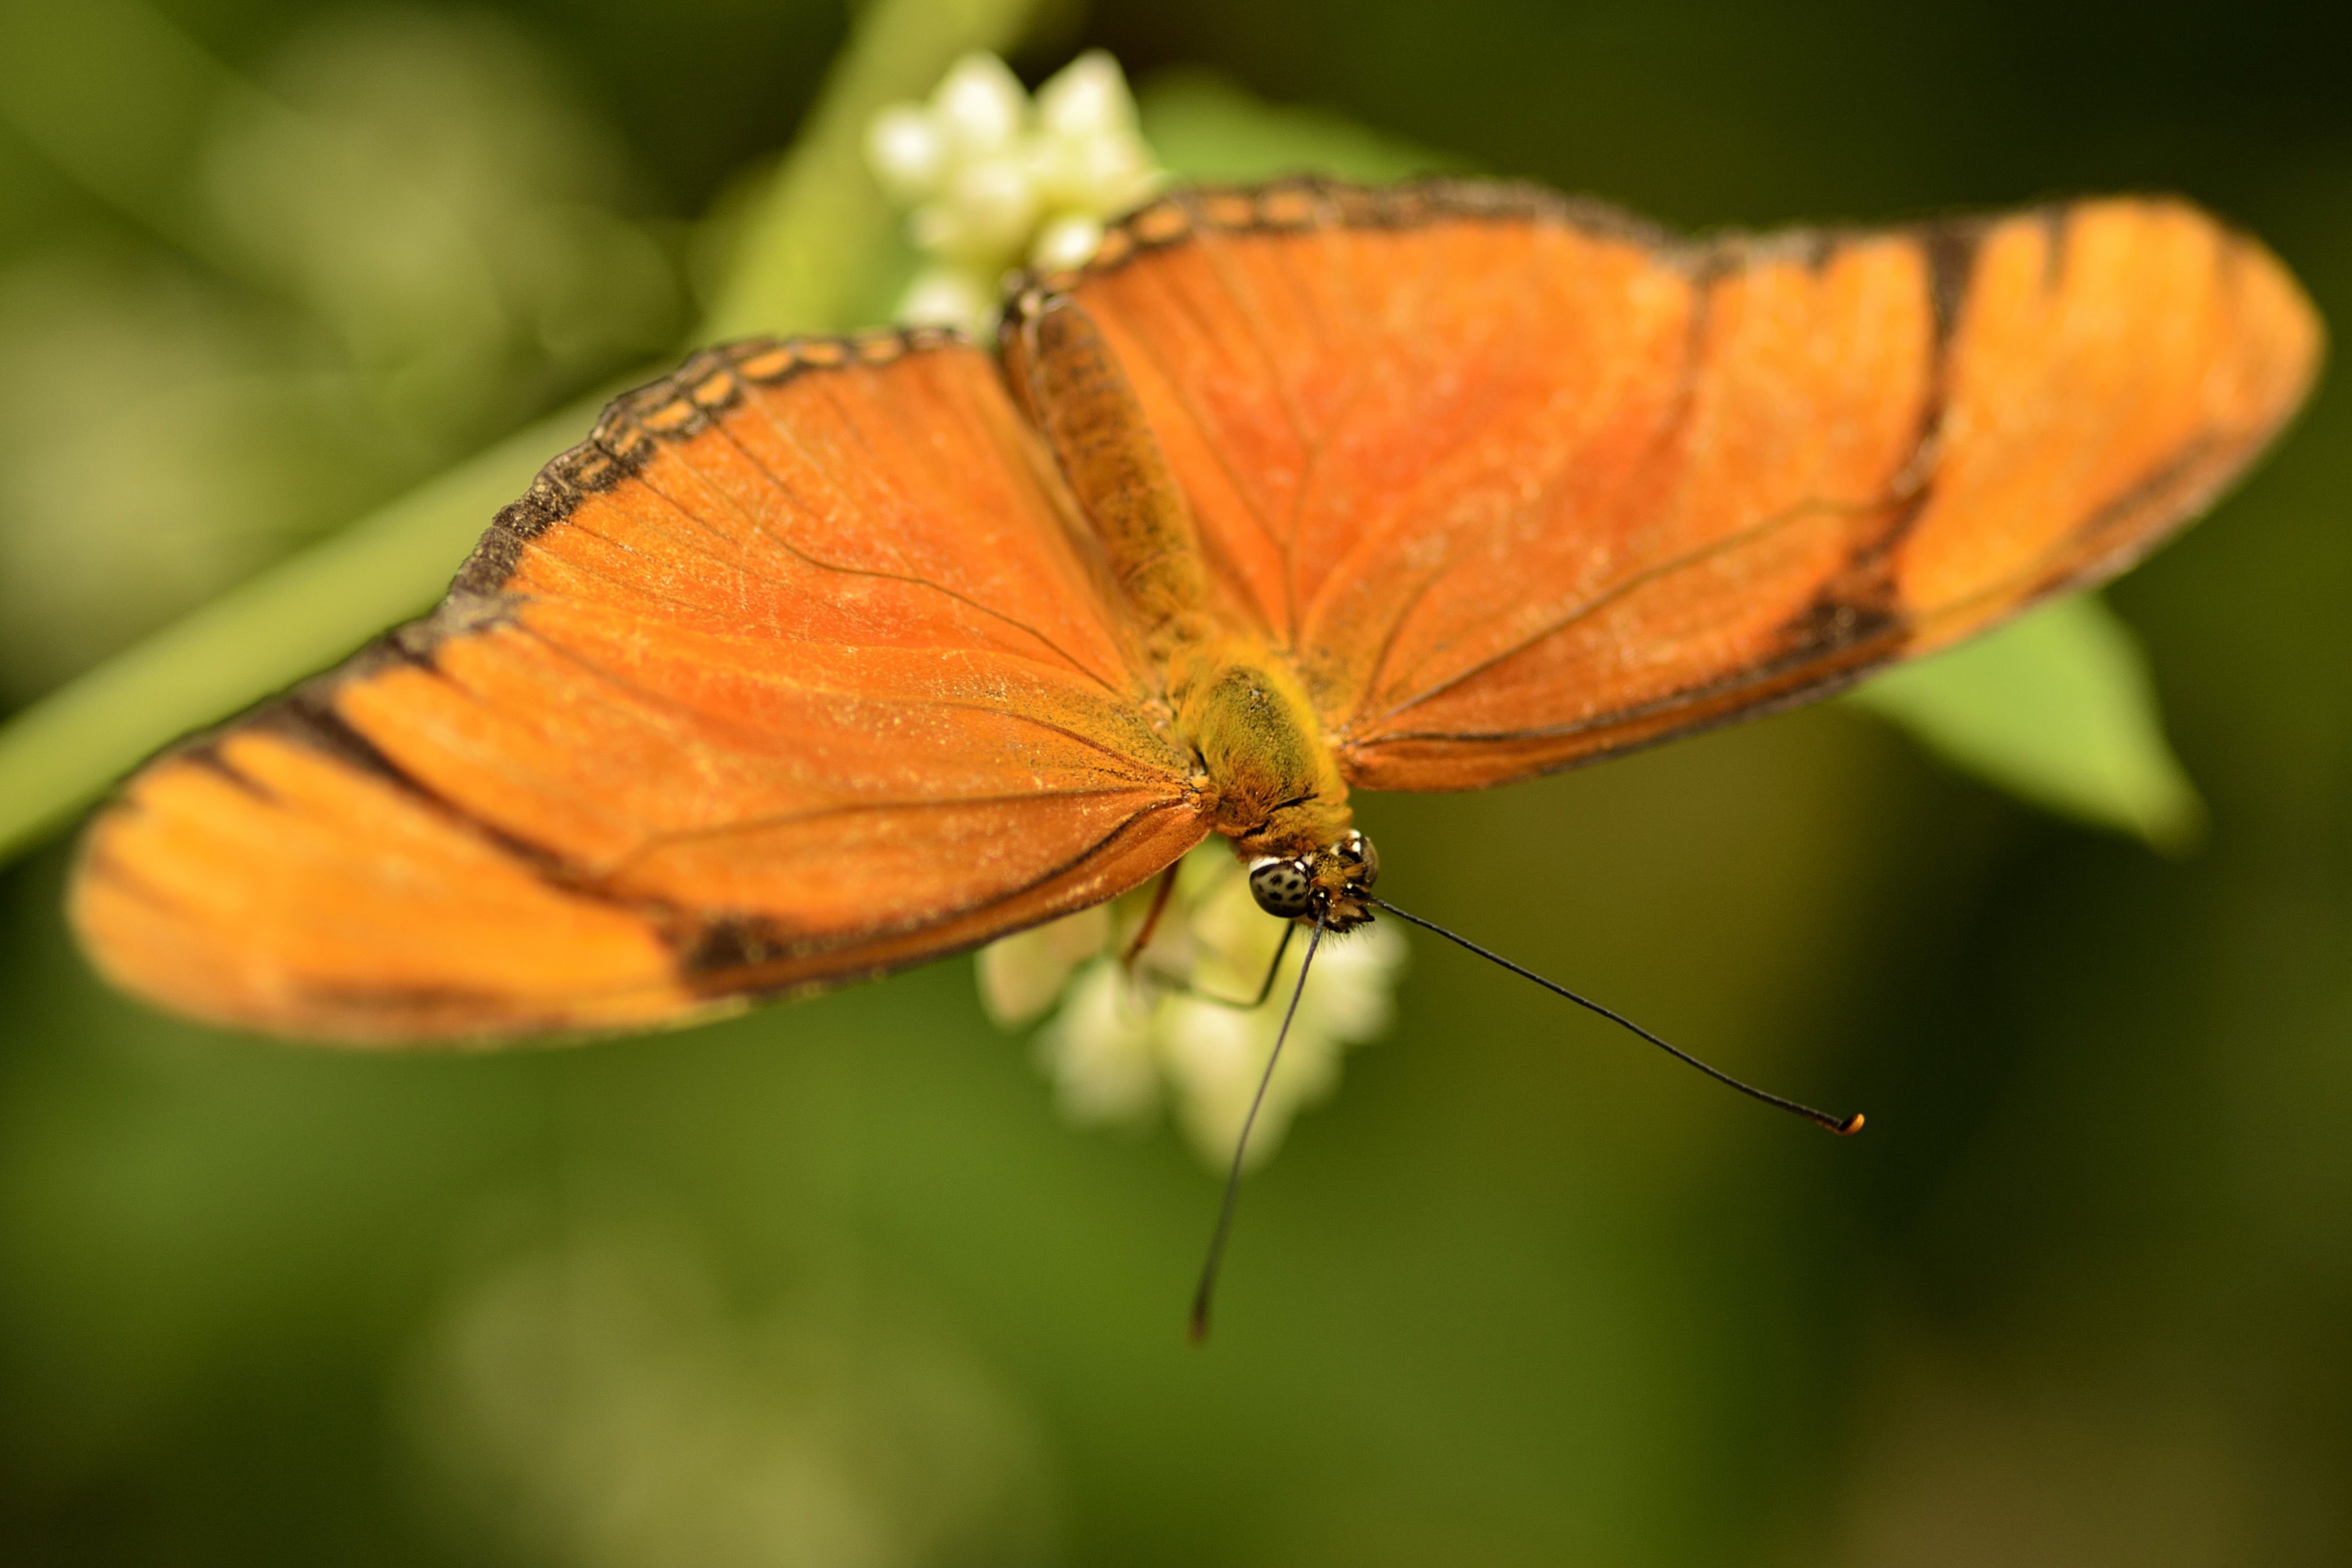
<point x="1274" y="784"/>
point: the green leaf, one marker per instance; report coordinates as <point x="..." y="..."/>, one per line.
<point x="1203" y="127"/>
<point x="2058" y="709"/>
<point x="802" y="262"/>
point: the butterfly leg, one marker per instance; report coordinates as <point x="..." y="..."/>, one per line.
<point x="1159" y="896"/>
<point x="1265" y="989"/>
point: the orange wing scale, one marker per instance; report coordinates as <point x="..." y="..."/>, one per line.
<point x="808" y="665"/>
<point x="1524" y="484"/>
<point x="267" y="880"/>
<point x="2116" y="363"/>
<point x="784" y="678"/>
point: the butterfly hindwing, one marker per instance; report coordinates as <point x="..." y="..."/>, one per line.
<point x="798" y="671"/>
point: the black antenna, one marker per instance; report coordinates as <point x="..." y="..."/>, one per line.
<point x="1197" y="1329"/>
<point x="1844" y="1127"/>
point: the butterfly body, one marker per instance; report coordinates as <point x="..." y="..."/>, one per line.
<point x="827" y="656"/>
<point x="1268" y="775"/>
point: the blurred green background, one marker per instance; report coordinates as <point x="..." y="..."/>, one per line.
<point x="830" y="1285"/>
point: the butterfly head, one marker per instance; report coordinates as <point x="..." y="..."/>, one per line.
<point x="1331" y="882"/>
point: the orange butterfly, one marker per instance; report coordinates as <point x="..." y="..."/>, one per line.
<point x="827" y="656"/>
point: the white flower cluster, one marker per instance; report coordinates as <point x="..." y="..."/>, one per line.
<point x="998" y="181"/>
<point x="1127" y="1038"/>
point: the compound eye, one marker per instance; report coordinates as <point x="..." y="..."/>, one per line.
<point x="1282" y="887"/>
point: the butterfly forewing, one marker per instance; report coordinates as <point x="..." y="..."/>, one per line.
<point x="2113" y="364"/>
<point x="1523" y="484"/>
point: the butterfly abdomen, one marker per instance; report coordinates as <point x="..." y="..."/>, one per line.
<point x="1087" y="410"/>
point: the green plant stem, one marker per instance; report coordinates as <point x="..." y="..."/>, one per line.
<point x="261" y="635"/>
<point x="801" y="264"/>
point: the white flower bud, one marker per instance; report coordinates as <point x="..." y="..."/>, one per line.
<point x="1020" y="976"/>
<point x="995" y="205"/>
<point x="1068" y="241"/>
<point x="905" y="152"/>
<point x="1106" y="175"/>
<point x="1208" y="1055"/>
<point x="979" y="105"/>
<point x="1098" y="1049"/>
<point x="1353" y="981"/>
<point x="1086" y="97"/>
<point x="951" y="296"/>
